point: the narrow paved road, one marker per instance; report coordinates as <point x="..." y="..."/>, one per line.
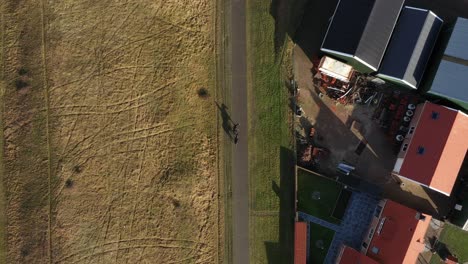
<point x="240" y="188"/>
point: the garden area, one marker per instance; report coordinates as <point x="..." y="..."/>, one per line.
<point x="320" y="240"/>
<point x="459" y="218"/>
<point x="452" y="241"/>
<point x="321" y="197"/>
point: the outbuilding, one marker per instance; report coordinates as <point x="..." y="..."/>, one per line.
<point x="410" y="47"/>
<point x="449" y="77"/>
<point x="360" y="31"/>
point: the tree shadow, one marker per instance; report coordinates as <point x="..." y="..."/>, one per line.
<point x="227" y="121"/>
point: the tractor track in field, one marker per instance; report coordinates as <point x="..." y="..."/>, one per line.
<point x="49" y="156"/>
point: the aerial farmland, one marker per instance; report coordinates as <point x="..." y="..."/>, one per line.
<point x="109" y="132"/>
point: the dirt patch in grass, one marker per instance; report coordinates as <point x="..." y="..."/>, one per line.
<point x="130" y="145"/>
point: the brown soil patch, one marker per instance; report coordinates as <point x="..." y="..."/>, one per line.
<point x="126" y="171"/>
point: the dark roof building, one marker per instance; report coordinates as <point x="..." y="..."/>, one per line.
<point x="451" y="75"/>
<point x="360" y="31"/>
<point x="410" y="47"/>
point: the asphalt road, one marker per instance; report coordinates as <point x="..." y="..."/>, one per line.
<point x="240" y="188"/>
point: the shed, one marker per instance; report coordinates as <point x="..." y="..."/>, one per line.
<point x="360" y="31"/>
<point x="449" y="78"/>
<point x="410" y="47"/>
<point x="336" y="69"/>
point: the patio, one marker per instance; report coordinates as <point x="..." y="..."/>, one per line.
<point x="355" y="222"/>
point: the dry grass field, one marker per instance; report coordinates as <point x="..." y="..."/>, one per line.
<point x="109" y="153"/>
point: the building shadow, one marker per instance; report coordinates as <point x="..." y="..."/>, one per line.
<point x="282" y="252"/>
<point x="396" y="193"/>
<point x="273" y="250"/>
<point x="287" y="15"/>
<point x="313" y="26"/>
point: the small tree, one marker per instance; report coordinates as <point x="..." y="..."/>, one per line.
<point x="77" y="168"/>
<point x="22" y="71"/>
<point x="69" y="183"/>
<point x="20" y="84"/>
<point x="203" y="92"/>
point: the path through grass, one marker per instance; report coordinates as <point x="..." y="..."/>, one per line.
<point x="2" y="193"/>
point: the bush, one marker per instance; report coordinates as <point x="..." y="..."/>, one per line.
<point x="69" y="183"/>
<point x="77" y="168"/>
<point x="175" y="203"/>
<point x="203" y="93"/>
<point x="20" y="84"/>
<point x="22" y="71"/>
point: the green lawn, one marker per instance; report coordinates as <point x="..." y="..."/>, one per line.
<point x="435" y="259"/>
<point x="265" y="246"/>
<point x="329" y="190"/>
<point x="320" y="240"/>
<point x="271" y="167"/>
<point x="271" y="154"/>
<point x="456" y="241"/>
<point x="268" y="107"/>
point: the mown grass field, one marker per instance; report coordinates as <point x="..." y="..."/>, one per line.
<point x="109" y="152"/>
<point x="271" y="157"/>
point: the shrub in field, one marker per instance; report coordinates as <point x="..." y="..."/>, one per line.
<point x="20" y="84"/>
<point x="203" y="93"/>
<point x="176" y="203"/>
<point x="69" y="183"/>
<point x="22" y="71"/>
<point x="77" y="168"/>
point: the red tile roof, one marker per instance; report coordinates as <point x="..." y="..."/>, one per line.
<point x="300" y="243"/>
<point x="351" y="256"/>
<point x="399" y="235"/>
<point x="451" y="260"/>
<point x="445" y="144"/>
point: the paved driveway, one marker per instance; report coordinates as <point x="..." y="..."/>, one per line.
<point x="240" y="191"/>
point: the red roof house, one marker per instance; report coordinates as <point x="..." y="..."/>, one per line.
<point x="300" y="243"/>
<point x="434" y="147"/>
<point x="396" y="235"/>
<point x="351" y="256"/>
<point x="451" y="260"/>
